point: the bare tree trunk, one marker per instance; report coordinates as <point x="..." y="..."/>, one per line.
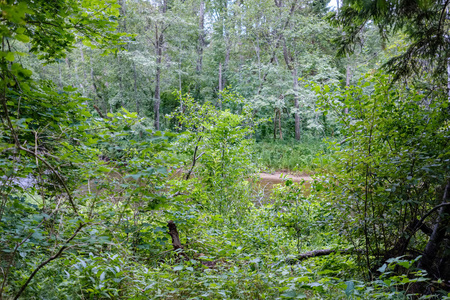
<point x="136" y="97"/>
<point x="225" y="66"/>
<point x="347" y="73"/>
<point x="348" y="76"/>
<point x="279" y="124"/>
<point x="179" y="82"/>
<point x="227" y="45"/>
<point x="257" y="49"/>
<point x="82" y="59"/>
<point x="159" y="40"/>
<point x="77" y="79"/>
<point x="60" y="76"/>
<point x="68" y="69"/>
<point x="240" y="52"/>
<point x="220" y="85"/>
<point x="296" y="114"/>
<point x="94" y="87"/>
<point x="275" y="125"/>
<point x="123" y="11"/>
<point x="120" y="81"/>
<point x="159" y="44"/>
<point x="200" y="46"/>
<point x="201" y="37"/>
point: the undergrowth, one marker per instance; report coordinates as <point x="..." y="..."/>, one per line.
<point x="234" y="246"/>
<point x="225" y="258"/>
<point x="303" y="157"/>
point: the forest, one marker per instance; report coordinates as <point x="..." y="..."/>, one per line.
<point x="225" y="149"/>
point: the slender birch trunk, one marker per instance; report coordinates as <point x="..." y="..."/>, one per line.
<point x="296" y="104"/>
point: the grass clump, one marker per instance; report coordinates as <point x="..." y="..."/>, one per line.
<point x="302" y="157"/>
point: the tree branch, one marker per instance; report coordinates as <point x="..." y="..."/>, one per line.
<point x="194" y="160"/>
<point x="60" y="179"/>
<point x="317" y="253"/>
<point x="44" y="263"/>
<point x="99" y="112"/>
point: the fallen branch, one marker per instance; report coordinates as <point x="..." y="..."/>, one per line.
<point x="317" y="253"/>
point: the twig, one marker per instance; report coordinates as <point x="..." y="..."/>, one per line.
<point x="419" y="224"/>
<point x="99" y="112"/>
<point x="61" y="180"/>
<point x="194" y="160"/>
<point x="24" y="286"/>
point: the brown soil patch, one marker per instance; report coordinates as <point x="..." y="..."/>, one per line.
<point x="277" y="178"/>
<point x="268" y="180"/>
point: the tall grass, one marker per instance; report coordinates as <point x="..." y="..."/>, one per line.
<point x="303" y="157"/>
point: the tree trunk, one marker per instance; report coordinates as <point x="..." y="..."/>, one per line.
<point x="159" y="44"/>
<point x="123" y="11"/>
<point x="448" y="78"/>
<point x="279" y="124"/>
<point x="94" y="88"/>
<point x="83" y="65"/>
<point x="200" y="46"/>
<point x="120" y="81"/>
<point x="159" y="41"/>
<point x="225" y="66"/>
<point x="296" y="114"/>
<point x="227" y="40"/>
<point x="220" y="85"/>
<point x="257" y="49"/>
<point x="136" y="97"/>
<point x="176" y="243"/>
<point x="68" y="69"/>
<point x="275" y="125"/>
<point x="201" y="37"/>
<point x="428" y="260"/>
<point x="348" y="76"/>
<point x="60" y="76"/>
<point x="179" y="79"/>
<point x="77" y="79"/>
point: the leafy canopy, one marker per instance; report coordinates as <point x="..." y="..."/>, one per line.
<point x="424" y="22"/>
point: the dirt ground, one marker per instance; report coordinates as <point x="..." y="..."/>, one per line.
<point x="276" y="177"/>
<point x="268" y="180"/>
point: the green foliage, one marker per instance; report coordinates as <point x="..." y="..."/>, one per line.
<point x="309" y="155"/>
<point x="425" y="23"/>
<point x="85" y="196"/>
<point x="305" y="218"/>
<point x="219" y="153"/>
<point x="391" y="284"/>
<point x="52" y="27"/>
<point x="392" y="166"/>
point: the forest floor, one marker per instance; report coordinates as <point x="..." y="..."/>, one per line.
<point x="278" y="177"/>
<point x="268" y="180"/>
